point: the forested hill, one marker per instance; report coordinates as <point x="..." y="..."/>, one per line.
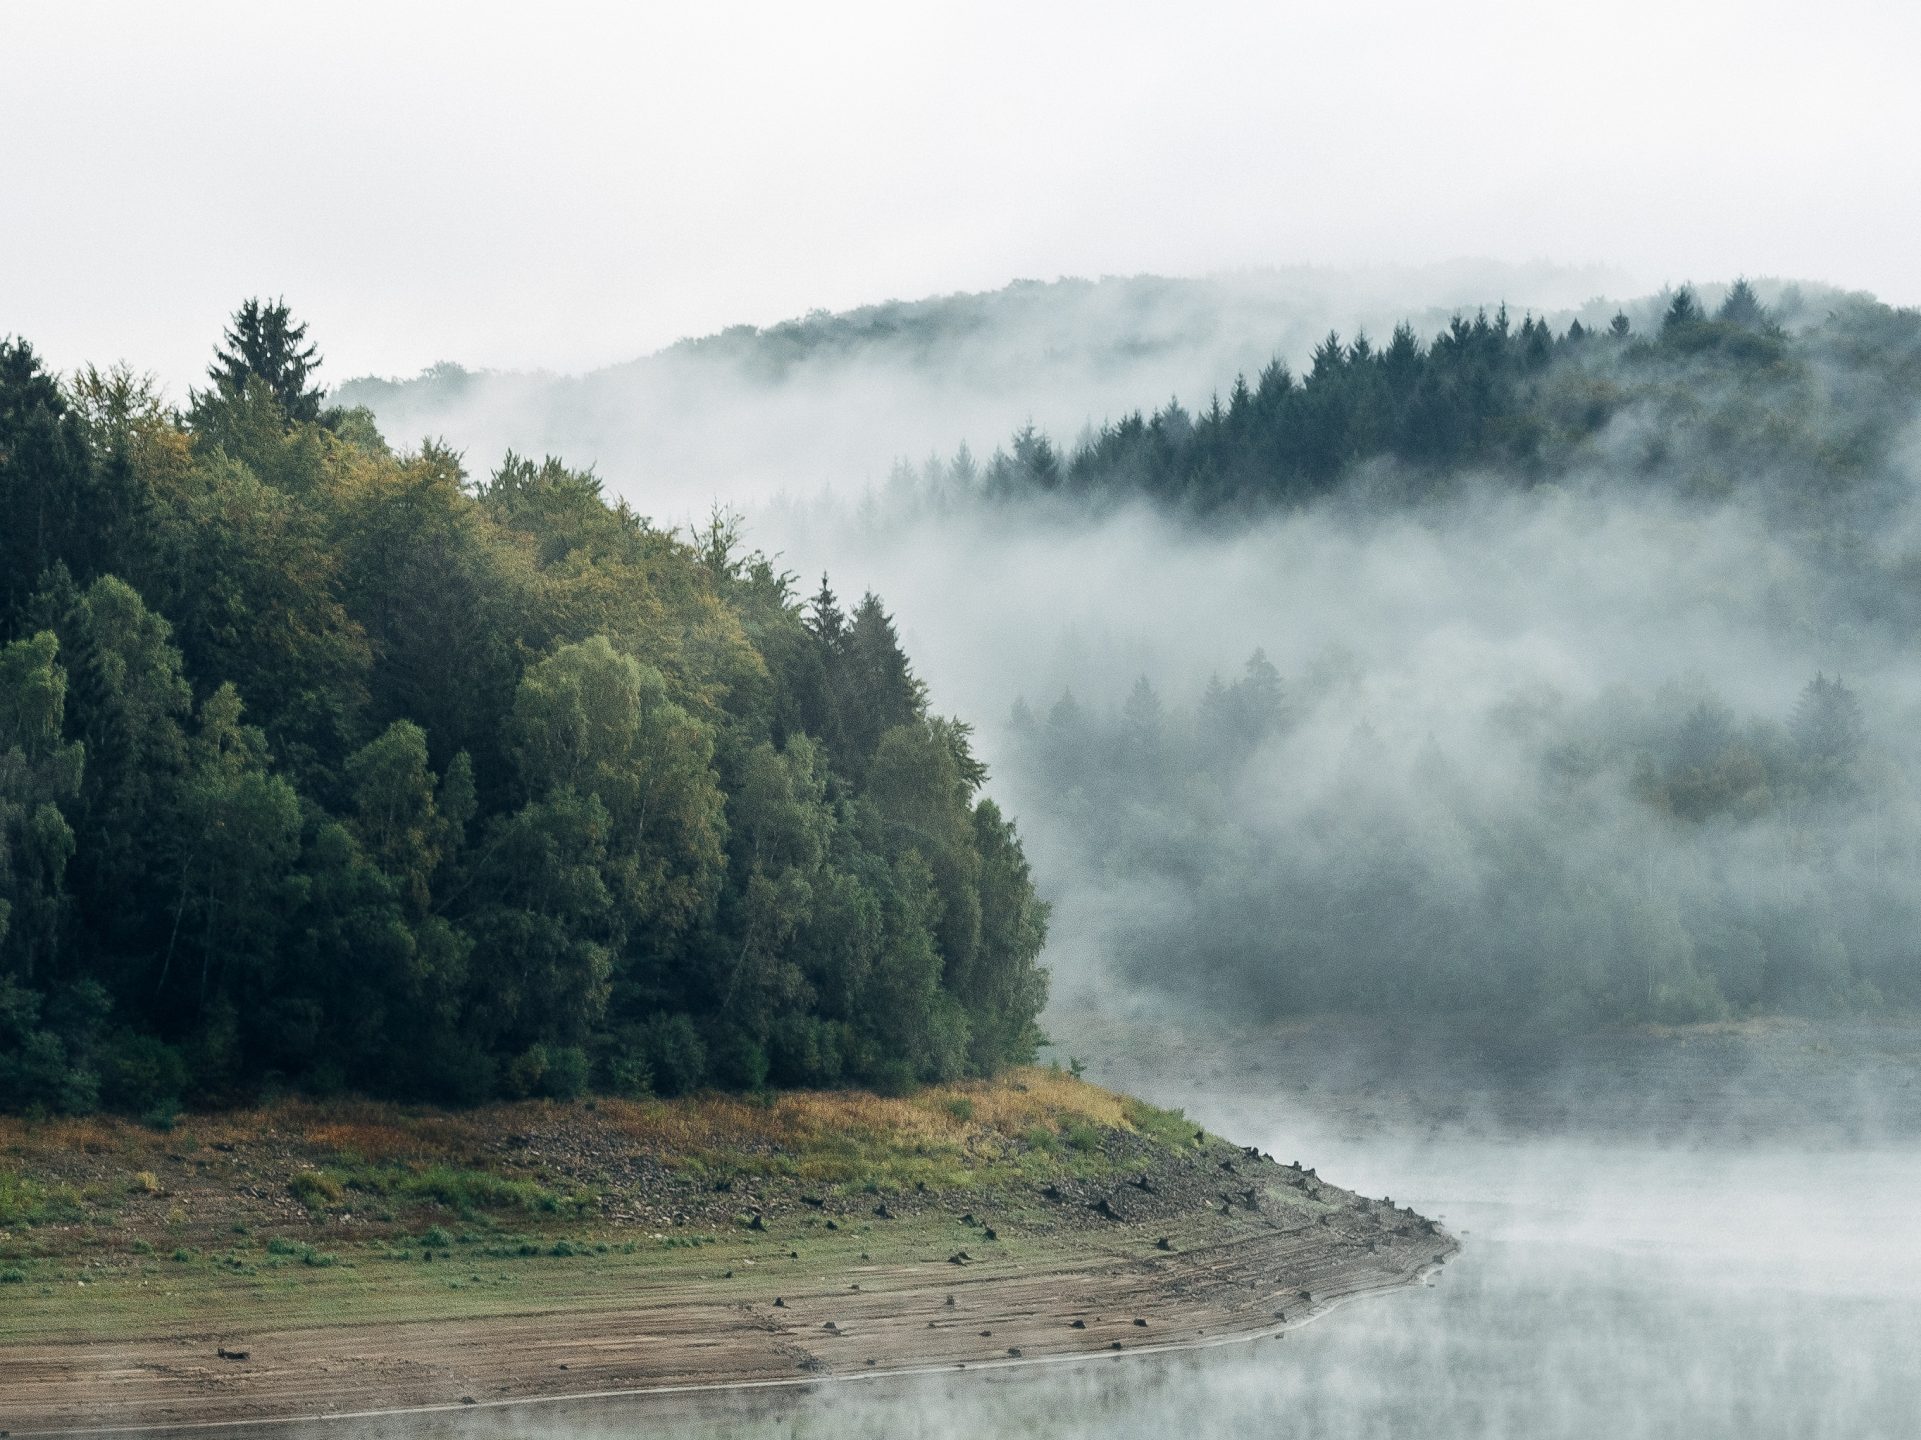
<point x="330" y="766"/>
<point x="1709" y="401"/>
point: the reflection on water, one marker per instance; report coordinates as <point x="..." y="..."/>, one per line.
<point x="1613" y="1290"/>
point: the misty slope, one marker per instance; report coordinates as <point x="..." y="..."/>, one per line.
<point x="1543" y="718"/>
<point x="833" y="399"/>
<point x="1538" y="733"/>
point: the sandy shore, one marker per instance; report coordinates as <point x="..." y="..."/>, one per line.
<point x="885" y="1319"/>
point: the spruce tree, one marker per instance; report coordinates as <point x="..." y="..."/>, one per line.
<point x="267" y="343"/>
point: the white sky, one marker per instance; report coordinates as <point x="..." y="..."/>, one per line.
<point x="541" y="184"/>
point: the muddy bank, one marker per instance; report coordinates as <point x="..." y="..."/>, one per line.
<point x="1205" y="1245"/>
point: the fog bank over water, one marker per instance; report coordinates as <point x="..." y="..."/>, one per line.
<point x="1607" y="1288"/>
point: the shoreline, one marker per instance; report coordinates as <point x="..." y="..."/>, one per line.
<point x="309" y="1263"/>
<point x="1172" y="1310"/>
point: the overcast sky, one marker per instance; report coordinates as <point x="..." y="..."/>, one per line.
<point x="567" y="185"/>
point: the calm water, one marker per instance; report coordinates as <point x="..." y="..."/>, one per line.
<point x="1612" y="1290"/>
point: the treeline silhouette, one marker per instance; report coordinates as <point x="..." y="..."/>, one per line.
<point x="1730" y="397"/>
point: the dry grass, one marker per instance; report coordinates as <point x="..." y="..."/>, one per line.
<point x="939" y="1137"/>
<point x="994" y="1111"/>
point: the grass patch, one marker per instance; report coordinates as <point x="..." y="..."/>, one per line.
<point x="1171" y="1127"/>
<point x="280" y="1249"/>
<point x="26" y="1202"/>
<point x="1081" y="1136"/>
<point x="316" y="1189"/>
<point x="465" y="1191"/>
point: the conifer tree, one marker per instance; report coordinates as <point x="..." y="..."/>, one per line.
<point x="264" y="342"/>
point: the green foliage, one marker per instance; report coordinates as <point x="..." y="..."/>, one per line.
<point x="281" y="1248"/>
<point x="139" y="1073"/>
<point x="266" y="344"/>
<point x="316" y="1189"/>
<point x="1731" y="390"/>
<point x="26" y="1202"/>
<point x="320" y="764"/>
<point x="1171" y="1127"/>
<point x="1081" y="1136"/>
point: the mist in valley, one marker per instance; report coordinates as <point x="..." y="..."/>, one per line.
<point x="1630" y="743"/>
<point x="830" y="403"/>
<point x="1381" y="830"/>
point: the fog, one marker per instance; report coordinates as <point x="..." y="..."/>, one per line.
<point x="1523" y="774"/>
<point x="830" y="403"/>
<point x="1606" y="1288"/>
<point x="1537" y="754"/>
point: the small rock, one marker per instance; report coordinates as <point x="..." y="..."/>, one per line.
<point x="1163" y="1244"/>
<point x="1014" y="1350"/>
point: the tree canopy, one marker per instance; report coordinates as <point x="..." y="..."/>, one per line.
<point x="327" y="765"/>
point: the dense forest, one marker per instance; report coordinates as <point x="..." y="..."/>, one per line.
<point x="1714" y="400"/>
<point x="329" y="766"/>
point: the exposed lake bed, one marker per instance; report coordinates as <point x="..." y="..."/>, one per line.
<point x="1641" y="1258"/>
<point x="1714" y="1282"/>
